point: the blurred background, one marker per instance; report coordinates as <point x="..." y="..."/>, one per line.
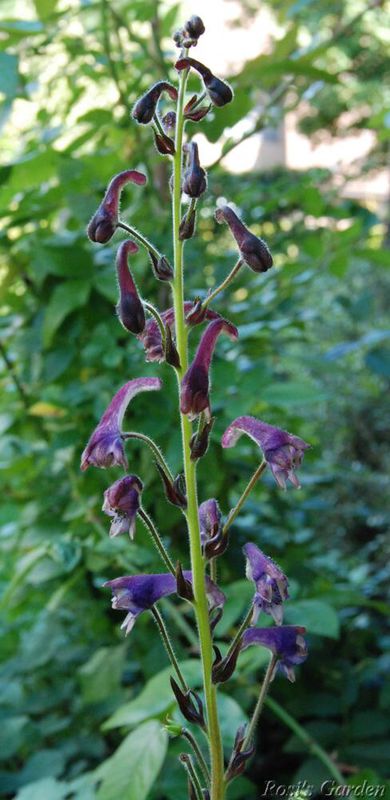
<point x="302" y="153"/>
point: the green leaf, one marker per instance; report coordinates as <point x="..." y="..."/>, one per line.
<point x="316" y="615"/>
<point x="9" y="77"/>
<point x="47" y="788"/>
<point x="11" y="735"/>
<point x="378" y="361"/>
<point x="293" y="393"/>
<point x="101" y="675"/>
<point x="231" y="717"/>
<point x="131" y="772"/>
<point x="66" y="298"/>
<point x="45" y="8"/>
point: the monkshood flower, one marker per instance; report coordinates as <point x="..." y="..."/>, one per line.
<point x="194" y="395"/>
<point x="146" y="106"/>
<point x="129" y="307"/>
<point x="122" y="502"/>
<point x="105" y="220"/>
<point x="286" y="642"/>
<point x="271" y="583"/>
<point x="210" y="519"/>
<point x="151" y="335"/>
<point x="105" y="447"/>
<point x="194" y="178"/>
<point x="283" y="452"/>
<point x="253" y="250"/>
<point x="218" y="91"/>
<point x="138" y="593"/>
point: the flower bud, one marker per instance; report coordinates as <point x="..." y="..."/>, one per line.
<point x="223" y="668"/>
<point x="164" y="145"/>
<point x="239" y="757"/>
<point x="194" y="178"/>
<point x="105" y="220"/>
<point x="187" y="225"/>
<point x="161" y="267"/>
<point x="253" y="250"/>
<point x="146" y="106"/>
<point x="129" y="307"/>
<point x="184" y="588"/>
<point x="218" y="91"/>
<point x="174" y="491"/>
<point x="173" y="729"/>
<point x="169" y="123"/>
<point x="198" y="114"/>
<point x="189" y="703"/>
<point x="200" y="440"/>
<point x="171" y="353"/>
<point x="194" y="27"/>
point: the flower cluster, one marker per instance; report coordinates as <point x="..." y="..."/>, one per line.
<point x="164" y="334"/>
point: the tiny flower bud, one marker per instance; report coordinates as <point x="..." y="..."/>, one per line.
<point x="146" y="106"/>
<point x="223" y="668"/>
<point x="253" y="250"/>
<point x="239" y="757"/>
<point x="171" y="353"/>
<point x="189" y="703"/>
<point x="184" y="588"/>
<point x="173" y="489"/>
<point x="194" y="27"/>
<point x="105" y="220"/>
<point x="169" y="123"/>
<point x="194" y="178"/>
<point x="198" y="114"/>
<point x="164" y="145"/>
<point x="218" y="91"/>
<point x="200" y="440"/>
<point x="173" y="729"/>
<point x="161" y="267"/>
<point x="187" y="225"/>
<point x="129" y="307"/>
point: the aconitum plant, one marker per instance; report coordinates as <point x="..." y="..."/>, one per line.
<point x="165" y="335"/>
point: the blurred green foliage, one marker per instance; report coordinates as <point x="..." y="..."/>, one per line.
<point x="79" y="705"/>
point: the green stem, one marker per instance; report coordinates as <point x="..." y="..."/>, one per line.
<point x="157" y="125"/>
<point x="187" y="762"/>
<point x="300" y="732"/>
<point x="151" y="528"/>
<point x="260" y="702"/>
<point x="236" y="510"/>
<point x="154" y="448"/>
<point x="198" y="753"/>
<point x="197" y="562"/>
<point x="168" y="646"/>
<point x="139" y="238"/>
<point x="229" y="278"/>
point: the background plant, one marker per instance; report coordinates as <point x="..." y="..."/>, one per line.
<point x="313" y="354"/>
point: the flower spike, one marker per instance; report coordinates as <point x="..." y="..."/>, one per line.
<point x="286" y="642"/>
<point x="253" y="250"/>
<point x="218" y="91"/>
<point x="122" y="502"/>
<point x="105" y="447"/>
<point x="129" y="307"/>
<point x="105" y="220"/>
<point x="271" y="584"/>
<point x="283" y="452"/>
<point x="146" y="106"/>
<point x="194" y="396"/>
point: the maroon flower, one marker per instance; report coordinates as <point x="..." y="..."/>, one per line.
<point x="218" y="91"/>
<point x="129" y="307"/>
<point x="194" y="178"/>
<point x="105" y="220"/>
<point x="285" y="641"/>
<point x="105" y="447"/>
<point x="151" y="336"/>
<point x="253" y="250"/>
<point x="146" y="106"/>
<point x="271" y="583"/>
<point x="138" y="593"/>
<point x="283" y="452"/>
<point x="194" y="397"/>
<point x="122" y="502"/>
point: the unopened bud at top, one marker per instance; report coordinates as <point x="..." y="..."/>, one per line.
<point x="105" y="220"/>
<point x="146" y="106"/>
<point x="253" y="250"/>
<point x="188" y="35"/>
<point x="218" y="91"/>
<point x="194" y="179"/>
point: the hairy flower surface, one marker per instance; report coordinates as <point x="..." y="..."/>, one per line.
<point x="194" y="395"/>
<point x="218" y="91"/>
<point x="271" y="583"/>
<point x="105" y="220"/>
<point x="138" y="593"/>
<point x="105" y="447"/>
<point x="122" y="502"/>
<point x="146" y="106"/>
<point x="151" y="335"/>
<point x="285" y="641"/>
<point x="194" y="178"/>
<point x="253" y="250"/>
<point x="283" y="452"/>
<point x="129" y="307"/>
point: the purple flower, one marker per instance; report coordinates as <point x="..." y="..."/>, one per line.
<point x="146" y="106"/>
<point x="138" y="593"/>
<point x="194" y="178"/>
<point x="129" y="307"/>
<point x="286" y="642"/>
<point x="122" y="502"/>
<point x="218" y="91"/>
<point x="253" y="250"/>
<point x="271" y="583"/>
<point x="194" y="396"/>
<point x="105" y="220"/>
<point x="105" y="447"/>
<point x="283" y="452"/>
<point x="151" y="335"/>
<point x="210" y="519"/>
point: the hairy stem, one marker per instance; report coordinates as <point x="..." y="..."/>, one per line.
<point x="153" y="311"/>
<point x="151" y="528"/>
<point x="260" y="702"/>
<point x="237" y="508"/>
<point x="198" y="753"/>
<point x="187" y="762"/>
<point x="197" y="562"/>
<point x="139" y="238"/>
<point x="168" y="646"/>
<point x="154" y="448"/>
<point x="229" y="278"/>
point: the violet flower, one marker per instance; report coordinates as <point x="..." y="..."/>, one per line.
<point x="283" y="452"/>
<point x="105" y="446"/>
<point x="151" y="335"/>
<point x="146" y="106"/>
<point x="286" y="642"/>
<point x="271" y="583"/>
<point x="138" y="593"/>
<point x="122" y="502"/>
<point x="129" y="307"/>
<point x="218" y="91"/>
<point x="194" y="396"/>
<point x="253" y="250"/>
<point x="105" y="220"/>
<point x="194" y="178"/>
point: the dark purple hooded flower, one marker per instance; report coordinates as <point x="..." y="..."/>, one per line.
<point x="129" y="307"/>
<point x="218" y="91"/>
<point x="122" y="502"/>
<point x="138" y="593"/>
<point x="105" y="220"/>
<point x="271" y="584"/>
<point x="253" y="250"/>
<point x="194" y="397"/>
<point x="146" y="106"/>
<point x="283" y="452"/>
<point x="286" y="642"/>
<point x="105" y="447"/>
<point x="151" y="335"/>
<point x="194" y="178"/>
